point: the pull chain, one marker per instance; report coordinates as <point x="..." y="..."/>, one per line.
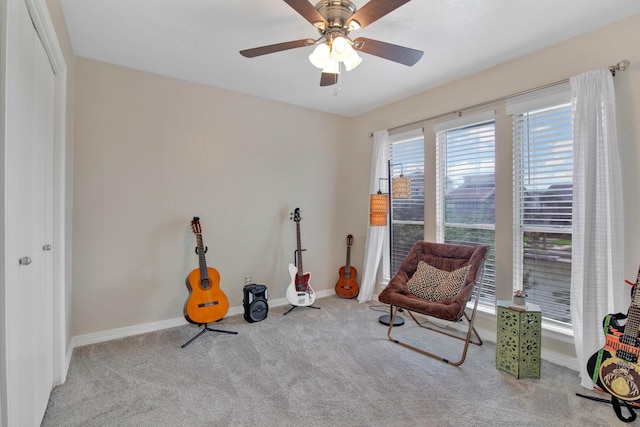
<point x="337" y="90"/>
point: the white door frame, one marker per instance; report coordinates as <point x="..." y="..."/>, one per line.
<point x="61" y="289"/>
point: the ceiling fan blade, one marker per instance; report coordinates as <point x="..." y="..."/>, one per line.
<point x="278" y="47"/>
<point x="392" y="52"/>
<point x="374" y="10"/>
<point x="308" y="12"/>
<point x="328" y="79"/>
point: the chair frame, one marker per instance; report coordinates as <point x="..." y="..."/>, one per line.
<point x="470" y="332"/>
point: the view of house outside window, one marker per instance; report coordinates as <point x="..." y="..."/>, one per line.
<point x="465" y="190"/>
<point x="543" y="194"/>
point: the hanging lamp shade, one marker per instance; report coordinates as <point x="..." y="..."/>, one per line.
<point x="378" y="209"/>
<point x="401" y="187"/>
<point x="377" y="220"/>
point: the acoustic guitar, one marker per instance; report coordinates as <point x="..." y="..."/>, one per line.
<point x="299" y="292"/>
<point x="347" y="286"/>
<point x="206" y="302"/>
<point x="614" y="368"/>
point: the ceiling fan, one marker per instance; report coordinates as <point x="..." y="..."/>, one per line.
<point x="335" y="19"/>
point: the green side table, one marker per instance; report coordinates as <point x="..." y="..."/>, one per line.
<point x="519" y="340"/>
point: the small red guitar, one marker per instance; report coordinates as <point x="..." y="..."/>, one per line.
<point x="347" y="286"/>
<point x="206" y="302"/>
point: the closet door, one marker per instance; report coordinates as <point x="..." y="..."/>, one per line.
<point x="29" y="177"/>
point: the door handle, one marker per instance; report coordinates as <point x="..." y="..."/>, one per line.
<point x="47" y="247"/>
<point x="25" y="260"/>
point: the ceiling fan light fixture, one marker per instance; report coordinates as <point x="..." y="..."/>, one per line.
<point x="320" y="55"/>
<point x="352" y="61"/>
<point x="334" y="20"/>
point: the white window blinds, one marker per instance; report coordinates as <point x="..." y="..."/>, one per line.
<point x="543" y="187"/>
<point x="465" y="187"/>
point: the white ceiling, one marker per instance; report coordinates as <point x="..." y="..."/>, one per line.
<point x="199" y="41"/>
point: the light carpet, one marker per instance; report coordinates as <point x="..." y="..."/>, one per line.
<point x="328" y="367"/>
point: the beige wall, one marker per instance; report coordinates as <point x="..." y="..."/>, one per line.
<point x="152" y="152"/>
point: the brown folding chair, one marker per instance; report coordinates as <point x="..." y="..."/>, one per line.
<point x="464" y="261"/>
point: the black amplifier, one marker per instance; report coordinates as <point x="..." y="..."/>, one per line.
<point x="255" y="303"/>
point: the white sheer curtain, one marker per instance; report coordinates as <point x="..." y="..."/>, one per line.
<point x="375" y="235"/>
<point x="597" y="283"/>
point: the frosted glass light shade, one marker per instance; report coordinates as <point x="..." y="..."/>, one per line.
<point x="352" y="61"/>
<point x="327" y="56"/>
<point x="320" y="55"/>
<point x="340" y="49"/>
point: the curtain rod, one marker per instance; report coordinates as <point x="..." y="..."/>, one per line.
<point x="620" y="66"/>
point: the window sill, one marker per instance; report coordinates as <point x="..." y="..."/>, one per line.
<point x="562" y="333"/>
<point x="550" y="329"/>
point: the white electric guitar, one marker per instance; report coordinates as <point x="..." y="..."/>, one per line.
<point x="299" y="292"/>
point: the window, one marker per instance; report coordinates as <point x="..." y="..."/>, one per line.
<point x="407" y="225"/>
<point x="543" y="193"/>
<point x="465" y="188"/>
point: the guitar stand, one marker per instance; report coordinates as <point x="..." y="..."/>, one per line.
<point x="296" y="306"/>
<point x="206" y="328"/>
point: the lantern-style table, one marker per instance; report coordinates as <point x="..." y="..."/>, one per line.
<point x="519" y="334"/>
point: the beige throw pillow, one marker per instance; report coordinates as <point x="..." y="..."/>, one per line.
<point x="434" y="284"/>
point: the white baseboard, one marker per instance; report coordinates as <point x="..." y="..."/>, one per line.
<point x="112" y="334"/>
<point x="128" y="331"/>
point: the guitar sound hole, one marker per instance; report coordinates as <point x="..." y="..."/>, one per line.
<point x="205" y="283"/>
